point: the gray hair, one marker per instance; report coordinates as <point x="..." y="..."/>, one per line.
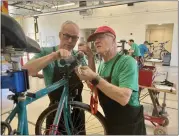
<point x="67" y="23"/>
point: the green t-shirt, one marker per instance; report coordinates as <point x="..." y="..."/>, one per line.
<point x="136" y="49"/>
<point x="49" y="69"/>
<point x="125" y="74"/>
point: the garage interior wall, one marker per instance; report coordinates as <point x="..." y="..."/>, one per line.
<point x="160" y="33"/>
<point x="122" y="18"/>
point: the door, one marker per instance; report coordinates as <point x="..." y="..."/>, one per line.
<point x="156" y="35"/>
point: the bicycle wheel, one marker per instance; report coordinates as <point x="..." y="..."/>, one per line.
<point x="93" y="124"/>
<point x="5" y="129"/>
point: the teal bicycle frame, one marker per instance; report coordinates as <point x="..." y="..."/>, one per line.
<point x="21" y="110"/>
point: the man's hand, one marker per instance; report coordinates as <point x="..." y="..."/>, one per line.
<point x="85" y="73"/>
<point x="82" y="47"/>
<point x="60" y="54"/>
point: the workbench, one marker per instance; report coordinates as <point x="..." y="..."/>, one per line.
<point x="154" y="61"/>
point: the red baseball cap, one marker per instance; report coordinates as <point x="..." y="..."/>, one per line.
<point x="99" y="30"/>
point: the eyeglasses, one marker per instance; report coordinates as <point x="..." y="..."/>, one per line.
<point x="67" y="37"/>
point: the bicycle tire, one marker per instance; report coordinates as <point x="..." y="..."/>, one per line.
<point x="74" y="104"/>
<point x="4" y="124"/>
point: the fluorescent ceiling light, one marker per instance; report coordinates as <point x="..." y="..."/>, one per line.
<point x="64" y="5"/>
<point x="108" y="1"/>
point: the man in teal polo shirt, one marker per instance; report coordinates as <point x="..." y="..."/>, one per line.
<point x="46" y="60"/>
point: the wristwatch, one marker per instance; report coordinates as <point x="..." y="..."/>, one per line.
<point x="96" y="80"/>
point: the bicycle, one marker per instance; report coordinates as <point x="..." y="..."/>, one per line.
<point x="17" y="81"/>
<point x="153" y="50"/>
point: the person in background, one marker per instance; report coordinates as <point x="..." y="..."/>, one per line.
<point x="134" y="50"/>
<point x="46" y="60"/>
<point x="143" y="48"/>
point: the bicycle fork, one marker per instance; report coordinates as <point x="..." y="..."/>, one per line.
<point x="63" y="106"/>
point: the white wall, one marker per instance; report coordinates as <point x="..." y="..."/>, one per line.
<point x="174" y="59"/>
<point x="123" y="19"/>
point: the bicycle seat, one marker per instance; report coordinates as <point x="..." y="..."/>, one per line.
<point x="13" y="35"/>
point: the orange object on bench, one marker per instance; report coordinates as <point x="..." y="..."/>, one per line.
<point x="94" y="98"/>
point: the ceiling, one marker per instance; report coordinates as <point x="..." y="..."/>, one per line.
<point x="30" y="8"/>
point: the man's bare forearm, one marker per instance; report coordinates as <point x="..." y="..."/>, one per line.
<point x="120" y="95"/>
<point x="34" y="66"/>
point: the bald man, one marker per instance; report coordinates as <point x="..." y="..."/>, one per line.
<point x="46" y="60"/>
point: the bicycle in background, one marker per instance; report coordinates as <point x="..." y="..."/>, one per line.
<point x="158" y="50"/>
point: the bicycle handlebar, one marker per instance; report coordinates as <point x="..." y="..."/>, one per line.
<point x="71" y="60"/>
<point x="150" y="43"/>
<point x="67" y="61"/>
<point x="165" y="42"/>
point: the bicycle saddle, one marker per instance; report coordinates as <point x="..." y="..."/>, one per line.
<point x="13" y="35"/>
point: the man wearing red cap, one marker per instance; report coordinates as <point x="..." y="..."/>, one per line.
<point x="117" y="84"/>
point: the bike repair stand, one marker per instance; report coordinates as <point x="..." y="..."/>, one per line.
<point x="15" y="79"/>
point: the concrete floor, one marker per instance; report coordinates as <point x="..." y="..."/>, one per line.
<point x="36" y="108"/>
